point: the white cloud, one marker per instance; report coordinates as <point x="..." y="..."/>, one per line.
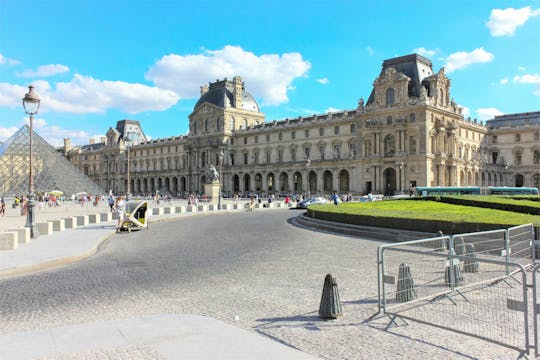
<point x="8" y="61"/>
<point x="462" y="59"/>
<point x="84" y="94"/>
<point x="45" y="70"/>
<point x="425" y="52"/>
<point x="11" y="95"/>
<point x="465" y="111"/>
<point x="527" y="79"/>
<point x="6" y="132"/>
<point x="504" y="22"/>
<point x="370" y="50"/>
<point x="488" y="113"/>
<point x="267" y="76"/>
<point x="503" y="81"/>
<point x="521" y="68"/>
<point x="323" y="81"/>
<point x="332" y="109"/>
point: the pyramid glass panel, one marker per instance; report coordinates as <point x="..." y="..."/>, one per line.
<point x="51" y="170"/>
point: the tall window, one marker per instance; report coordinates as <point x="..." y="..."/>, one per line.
<point x="321" y="151"/>
<point x="336" y="130"/>
<point x="494" y="139"/>
<point x="536" y="158"/>
<point x="306" y="133"/>
<point x="517" y="158"/>
<point x="206" y="125"/>
<point x="518" y="137"/>
<point x="293" y="154"/>
<point x="280" y="156"/>
<point x="232" y="123"/>
<point x="353" y="128"/>
<point x="267" y="137"/>
<point x="306" y="152"/>
<point x="389" y="96"/>
<point x="280" y="136"/>
<point x="256" y="157"/>
<point x="321" y="131"/>
<point x="336" y="151"/>
<point x="245" y="158"/>
<point x="412" y="118"/>
<point x="268" y="157"/>
<point x="293" y="135"/>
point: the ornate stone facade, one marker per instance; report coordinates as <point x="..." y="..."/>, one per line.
<point x="409" y="133"/>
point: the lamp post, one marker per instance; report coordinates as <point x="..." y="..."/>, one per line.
<point x="308" y="162"/>
<point x="220" y="158"/>
<point x="31" y="107"/>
<point x="506" y="166"/>
<point x="401" y="177"/>
<point x="128" y="190"/>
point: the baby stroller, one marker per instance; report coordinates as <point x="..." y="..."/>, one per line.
<point x="136" y="215"/>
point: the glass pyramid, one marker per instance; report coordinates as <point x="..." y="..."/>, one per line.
<point x="51" y="170"/>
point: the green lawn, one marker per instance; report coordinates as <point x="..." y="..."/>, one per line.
<point x="500" y="199"/>
<point x="429" y="210"/>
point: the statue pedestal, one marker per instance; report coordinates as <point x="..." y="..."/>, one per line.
<point x="212" y="191"/>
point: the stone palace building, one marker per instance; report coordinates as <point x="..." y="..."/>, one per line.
<point x="408" y="133"/>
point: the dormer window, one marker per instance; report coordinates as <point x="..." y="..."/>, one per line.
<point x="390" y="96"/>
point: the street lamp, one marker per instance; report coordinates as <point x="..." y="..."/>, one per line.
<point x="401" y="177"/>
<point x="308" y="162"/>
<point x="506" y="166"/>
<point x="128" y="192"/>
<point x="220" y="158"/>
<point x="31" y="107"/>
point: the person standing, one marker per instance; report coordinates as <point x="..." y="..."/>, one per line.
<point x="2" y="207"/>
<point x="120" y="208"/>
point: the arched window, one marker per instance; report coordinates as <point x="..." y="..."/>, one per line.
<point x="389" y="96"/>
<point x="245" y="123"/>
<point x="232" y="123"/>
<point x="218" y="124"/>
<point x="206" y="125"/>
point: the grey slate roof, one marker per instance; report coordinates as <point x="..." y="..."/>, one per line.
<point x="414" y="66"/>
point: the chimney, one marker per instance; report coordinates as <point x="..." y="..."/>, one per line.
<point x="204" y="89"/>
<point x="238" y="91"/>
<point x="91" y="141"/>
<point x="67" y="145"/>
<point x="103" y="139"/>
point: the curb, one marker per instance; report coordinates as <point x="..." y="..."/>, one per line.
<point x="47" y="265"/>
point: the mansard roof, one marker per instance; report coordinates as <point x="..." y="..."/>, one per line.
<point x="220" y="93"/>
<point x="414" y="66"/>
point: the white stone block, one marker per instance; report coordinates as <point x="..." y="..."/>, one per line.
<point x="105" y="217"/>
<point x="237" y="206"/>
<point x="157" y="211"/>
<point x="23" y="234"/>
<point x="70" y="222"/>
<point x="45" y="228"/>
<point x="191" y="208"/>
<point x="82" y="220"/>
<point x="59" y="225"/>
<point x="94" y="218"/>
<point x="212" y="207"/>
<point x="9" y="240"/>
<point x="225" y="207"/>
<point x="168" y="210"/>
<point x="202" y="208"/>
<point x="180" y="209"/>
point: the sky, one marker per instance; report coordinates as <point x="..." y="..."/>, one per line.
<point x="95" y="62"/>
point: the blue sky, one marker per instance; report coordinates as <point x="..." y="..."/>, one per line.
<point x="96" y="62"/>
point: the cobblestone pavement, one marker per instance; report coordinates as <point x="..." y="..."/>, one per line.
<point x="255" y="270"/>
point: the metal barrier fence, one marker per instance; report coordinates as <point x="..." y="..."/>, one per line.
<point x="474" y="283"/>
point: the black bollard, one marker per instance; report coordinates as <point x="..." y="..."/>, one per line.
<point x="405" y="284"/>
<point x="330" y="307"/>
<point x="470" y="265"/>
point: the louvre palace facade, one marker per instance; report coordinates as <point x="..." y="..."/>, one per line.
<point x="409" y="132"/>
